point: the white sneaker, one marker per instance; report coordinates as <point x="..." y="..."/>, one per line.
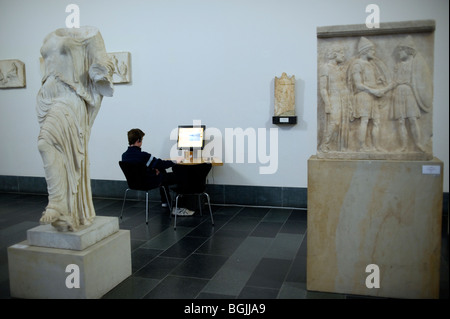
<point x="187" y="212"/>
<point x="183" y="212"/>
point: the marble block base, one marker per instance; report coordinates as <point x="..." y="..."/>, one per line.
<point x="41" y="272"/>
<point x="48" y="236"/>
<point x="386" y="213"/>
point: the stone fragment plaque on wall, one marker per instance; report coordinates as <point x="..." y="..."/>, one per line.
<point x="284" y="108"/>
<point x="12" y="74"/>
<point x="375" y="91"/>
<point x="122" y="67"/>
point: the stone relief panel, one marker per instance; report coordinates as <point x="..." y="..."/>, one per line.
<point x="285" y="95"/>
<point x="375" y="91"/>
<point x="122" y="67"/>
<point x="12" y="74"/>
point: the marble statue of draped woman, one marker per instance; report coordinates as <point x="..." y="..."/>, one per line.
<point x="78" y="73"/>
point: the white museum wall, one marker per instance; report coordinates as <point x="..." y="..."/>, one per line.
<point x="208" y="60"/>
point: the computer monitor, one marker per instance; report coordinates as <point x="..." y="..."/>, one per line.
<point x="191" y="137"/>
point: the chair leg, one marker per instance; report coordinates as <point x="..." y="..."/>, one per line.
<point x="146" y="208"/>
<point x="200" y="205"/>
<point x="123" y="205"/>
<point x="175" y="213"/>
<point x="210" y="211"/>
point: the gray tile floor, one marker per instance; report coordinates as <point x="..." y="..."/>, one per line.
<point x="250" y="253"/>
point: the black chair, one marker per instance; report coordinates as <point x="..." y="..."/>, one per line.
<point x="191" y="180"/>
<point x="136" y="175"/>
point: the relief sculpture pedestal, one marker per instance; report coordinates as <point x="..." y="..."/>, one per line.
<point x="101" y="253"/>
<point x="381" y="212"/>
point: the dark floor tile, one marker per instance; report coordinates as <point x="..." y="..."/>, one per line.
<point x="323" y="295"/>
<point x="4" y="290"/>
<point x="220" y="245"/>
<point x="173" y="287"/>
<point x="298" y="215"/>
<point x="230" y="232"/>
<point x="184" y="247"/>
<point x="266" y="229"/>
<point x="292" y="290"/>
<point x="277" y="215"/>
<point x="297" y="272"/>
<point x="256" y="212"/>
<point x="134" y="216"/>
<point x="294" y="227"/>
<point x="193" y="221"/>
<point x="258" y="293"/>
<point x="269" y="273"/>
<point x="206" y="229"/>
<point x="200" y="266"/>
<point x="227" y="210"/>
<point x="132" y="288"/>
<point x="136" y="243"/>
<point x="242" y="223"/>
<point x="203" y="230"/>
<point x="110" y="207"/>
<point x="284" y="246"/>
<point x="360" y="297"/>
<point x="16" y="232"/>
<point x="159" y="267"/>
<point x="142" y="256"/>
<point x="144" y="231"/>
<point x="207" y="295"/>
<point x="4" y="270"/>
<point x="247" y="254"/>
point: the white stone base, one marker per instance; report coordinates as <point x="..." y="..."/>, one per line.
<point x="40" y="272"/>
<point x="48" y="236"/>
<point x="387" y="213"/>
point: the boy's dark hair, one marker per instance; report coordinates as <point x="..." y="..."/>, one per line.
<point x="135" y="135"/>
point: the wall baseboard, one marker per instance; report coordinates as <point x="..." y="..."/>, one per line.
<point x="286" y="197"/>
<point x="283" y="197"/>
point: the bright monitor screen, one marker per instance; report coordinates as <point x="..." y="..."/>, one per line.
<point x="191" y="137"/>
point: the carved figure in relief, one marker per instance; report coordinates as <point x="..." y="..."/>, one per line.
<point x="413" y="92"/>
<point x="334" y="92"/>
<point x="285" y="95"/>
<point x="121" y="70"/>
<point x="12" y="74"/>
<point x="78" y="73"/>
<point x="368" y="82"/>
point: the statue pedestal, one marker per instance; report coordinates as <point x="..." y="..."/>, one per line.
<point x="99" y="258"/>
<point x="383" y="213"/>
<point x="48" y="236"/>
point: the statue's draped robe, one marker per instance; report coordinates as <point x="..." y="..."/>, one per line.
<point x="77" y="75"/>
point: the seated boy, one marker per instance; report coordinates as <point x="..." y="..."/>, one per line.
<point x="156" y="168"/>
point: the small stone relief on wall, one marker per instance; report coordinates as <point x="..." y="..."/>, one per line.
<point x="12" y="74"/>
<point x="122" y="67"/>
<point x="284" y="110"/>
<point x="375" y="91"/>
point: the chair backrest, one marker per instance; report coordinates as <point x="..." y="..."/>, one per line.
<point x="136" y="175"/>
<point x="191" y="179"/>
